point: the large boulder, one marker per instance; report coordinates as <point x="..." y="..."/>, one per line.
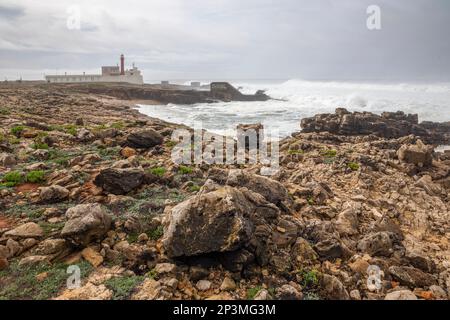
<point x="119" y="181"/>
<point x="377" y="244"/>
<point x="218" y="221"/>
<point x="86" y="222"/>
<point x="418" y="154"/>
<point x="144" y="139"/>
<point x="270" y="189"/>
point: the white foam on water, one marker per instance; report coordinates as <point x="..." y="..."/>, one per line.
<point x="307" y="98"/>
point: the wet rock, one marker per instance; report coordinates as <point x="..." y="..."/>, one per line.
<point x="418" y="154"/>
<point x="377" y="244"/>
<point x="27" y="230"/>
<point x="412" y="277"/>
<point x="53" y="194"/>
<point x="333" y="289"/>
<point x="86" y="223"/>
<point x="343" y="122"/>
<point x="119" y="181"/>
<point x="217" y="221"/>
<point x="144" y="139"/>
<point x="401" y="295"/>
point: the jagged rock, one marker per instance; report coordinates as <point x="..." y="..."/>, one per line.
<point x="377" y="244"/>
<point x="411" y="277"/>
<point x="217" y="221"/>
<point x="119" y="181"/>
<point x="355" y="295"/>
<point x="151" y="289"/>
<point x="347" y="222"/>
<point x="228" y="284"/>
<point x="27" y="230"/>
<point x="92" y="256"/>
<point x="426" y="183"/>
<point x="7" y="160"/>
<point x="285" y="233"/>
<point x="333" y="289"/>
<point x="33" y="261"/>
<point x="203" y="285"/>
<point x="270" y="189"/>
<point x="401" y="295"/>
<point x="86" y="223"/>
<point x="303" y="254"/>
<point x="144" y="139"/>
<point x="418" y="154"/>
<point x="343" y="122"/>
<point x="84" y="135"/>
<point x="53" y="194"/>
<point x="288" y="292"/>
<point x="49" y="247"/>
<point x="89" y="291"/>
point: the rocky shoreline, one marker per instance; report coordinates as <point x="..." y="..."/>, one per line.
<point x="88" y="181"/>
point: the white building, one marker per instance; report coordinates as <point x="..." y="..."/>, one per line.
<point x="109" y="74"/>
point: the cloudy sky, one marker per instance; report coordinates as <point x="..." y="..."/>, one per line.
<point x="229" y="39"/>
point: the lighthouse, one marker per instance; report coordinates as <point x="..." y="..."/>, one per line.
<point x="122" y="65"/>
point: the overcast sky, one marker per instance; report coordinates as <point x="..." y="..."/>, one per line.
<point x="229" y="39"/>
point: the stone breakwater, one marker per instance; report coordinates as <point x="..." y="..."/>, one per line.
<point x="87" y="181"/>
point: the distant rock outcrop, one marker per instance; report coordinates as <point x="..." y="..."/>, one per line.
<point x="387" y="125"/>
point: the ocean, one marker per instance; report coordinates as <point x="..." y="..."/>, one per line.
<point x="307" y="98"/>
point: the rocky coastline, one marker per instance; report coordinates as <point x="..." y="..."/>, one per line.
<point x="360" y="208"/>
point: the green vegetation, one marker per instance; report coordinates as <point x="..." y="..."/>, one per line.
<point x="194" y="188"/>
<point x="353" y="166"/>
<point x="156" y="233"/>
<point x="36" y="176"/>
<point x="185" y="170"/>
<point x="22" y="283"/>
<point x="311" y="201"/>
<point x="17" y="130"/>
<point x="310" y="278"/>
<point x="295" y="152"/>
<point x="119" y="125"/>
<point x="252" y="292"/>
<point x="40" y="145"/>
<point x="329" y="153"/>
<point x="49" y="228"/>
<point x="158" y="171"/>
<point x="4" y="111"/>
<point x="171" y="144"/>
<point x="152" y="274"/>
<point x="13" y="178"/>
<point x="123" y="286"/>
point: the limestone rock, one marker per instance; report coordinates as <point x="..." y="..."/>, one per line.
<point x="379" y="243"/>
<point x="27" y="230"/>
<point x="87" y="292"/>
<point x="86" y="223"/>
<point x="412" y="277"/>
<point x="144" y="139"/>
<point x="418" y="154"/>
<point x="119" y="181"/>
<point x="53" y="194"/>
<point x="400" y="295"/>
<point x="92" y="256"/>
<point x="7" y="160"/>
<point x="333" y="289"/>
<point x="217" y="221"/>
